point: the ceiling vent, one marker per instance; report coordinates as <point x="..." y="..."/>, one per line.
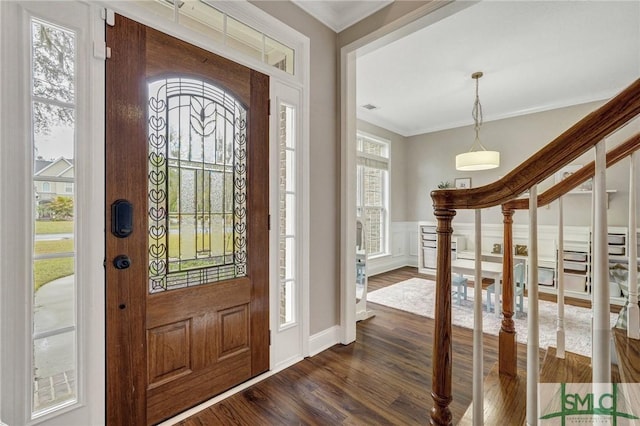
<point x="369" y="107"/>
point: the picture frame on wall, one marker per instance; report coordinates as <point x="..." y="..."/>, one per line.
<point x="462" y="183"/>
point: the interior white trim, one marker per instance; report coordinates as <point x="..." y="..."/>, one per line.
<point x="324" y="339"/>
<point x="431" y="11"/>
<point x="386" y="124"/>
<point x="338" y="18"/>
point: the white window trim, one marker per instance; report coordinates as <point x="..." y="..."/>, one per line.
<point x="284" y="94"/>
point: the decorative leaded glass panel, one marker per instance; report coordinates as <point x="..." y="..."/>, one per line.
<point x="197" y="184"/>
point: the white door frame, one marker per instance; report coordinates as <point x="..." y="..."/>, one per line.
<point x="289" y="344"/>
<point x="421" y="17"/>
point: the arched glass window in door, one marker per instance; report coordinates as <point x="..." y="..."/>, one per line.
<point x="197" y="184"/>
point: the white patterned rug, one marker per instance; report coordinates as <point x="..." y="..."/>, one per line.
<point x="417" y="295"/>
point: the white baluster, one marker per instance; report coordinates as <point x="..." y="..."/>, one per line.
<point x="601" y="353"/>
<point x="533" y="341"/>
<point x="633" y="313"/>
<point x="478" y="349"/>
<point x="560" y="278"/>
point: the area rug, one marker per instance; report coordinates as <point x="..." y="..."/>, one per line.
<point x="417" y="295"/>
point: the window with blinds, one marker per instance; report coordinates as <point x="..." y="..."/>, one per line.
<point x="372" y="198"/>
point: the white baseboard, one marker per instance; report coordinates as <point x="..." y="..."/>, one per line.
<point x="324" y="340"/>
<point x="286" y="363"/>
<point x="379" y="266"/>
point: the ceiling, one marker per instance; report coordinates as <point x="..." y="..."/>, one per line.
<point x="341" y="14"/>
<point x="535" y="56"/>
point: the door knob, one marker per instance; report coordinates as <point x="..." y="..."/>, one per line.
<point x="122" y="261"/>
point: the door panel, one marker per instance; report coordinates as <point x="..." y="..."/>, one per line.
<point x="187" y="146"/>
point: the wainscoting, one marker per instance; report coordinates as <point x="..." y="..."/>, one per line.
<point x="403" y="245"/>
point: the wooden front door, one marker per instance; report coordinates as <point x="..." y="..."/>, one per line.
<point x="187" y="224"/>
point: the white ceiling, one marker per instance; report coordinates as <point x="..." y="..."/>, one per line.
<point x="341" y="14"/>
<point x="535" y="56"/>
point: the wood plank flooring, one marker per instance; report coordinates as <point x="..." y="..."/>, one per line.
<point x="505" y="400"/>
<point x="382" y="378"/>
<point x="574" y="368"/>
<point x="628" y="353"/>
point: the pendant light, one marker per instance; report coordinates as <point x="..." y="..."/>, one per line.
<point x="477" y="158"/>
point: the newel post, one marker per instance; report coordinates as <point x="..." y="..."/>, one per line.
<point x="442" y="349"/>
<point x="507" y="347"/>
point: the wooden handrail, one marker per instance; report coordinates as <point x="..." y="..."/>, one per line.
<point x="571" y="144"/>
<point x="577" y="178"/>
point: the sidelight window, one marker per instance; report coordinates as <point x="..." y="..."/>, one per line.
<point x="287" y="209"/>
<point x="53" y="110"/>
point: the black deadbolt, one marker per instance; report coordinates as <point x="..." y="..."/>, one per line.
<point x="121" y="218"/>
<point x="122" y="262"/>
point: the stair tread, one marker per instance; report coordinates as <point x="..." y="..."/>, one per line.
<point x="505" y="399"/>
<point x="574" y="368"/>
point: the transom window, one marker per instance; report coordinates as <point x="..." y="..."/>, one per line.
<point x="203" y="17"/>
<point x="372" y="198"/>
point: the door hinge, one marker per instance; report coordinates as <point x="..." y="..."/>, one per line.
<point x="269" y="223"/>
<point x="269" y="108"/>
<point x="108" y="16"/>
<point x="269" y="337"/>
<point x="101" y="50"/>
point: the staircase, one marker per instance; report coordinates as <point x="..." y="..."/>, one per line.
<point x="507" y="395"/>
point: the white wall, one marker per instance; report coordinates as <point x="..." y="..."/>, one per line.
<point x="431" y="159"/>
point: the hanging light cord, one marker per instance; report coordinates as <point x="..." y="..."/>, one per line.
<point x="476" y="113"/>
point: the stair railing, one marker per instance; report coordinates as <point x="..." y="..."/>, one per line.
<point x="507" y="344"/>
<point x="578" y="139"/>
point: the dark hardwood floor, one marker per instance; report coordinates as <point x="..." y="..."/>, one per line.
<point x="382" y="378"/>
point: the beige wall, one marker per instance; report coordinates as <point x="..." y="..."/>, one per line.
<point x="325" y="146"/>
<point x="431" y="159"/>
<point x="325" y="163"/>
<point x="397" y="176"/>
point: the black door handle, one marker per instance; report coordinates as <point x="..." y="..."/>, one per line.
<point x="122" y="261"/>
